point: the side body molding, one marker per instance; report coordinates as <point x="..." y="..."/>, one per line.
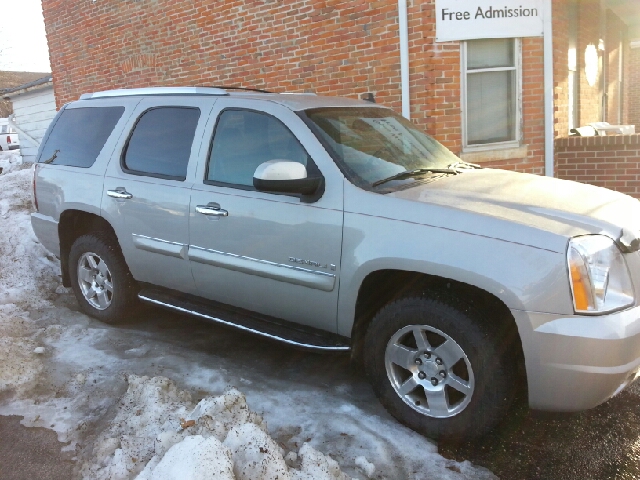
<point x="262" y="268"/>
<point x="163" y="247"/>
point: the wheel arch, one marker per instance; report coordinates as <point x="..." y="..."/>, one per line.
<point x="74" y="224"/>
<point x="383" y="286"/>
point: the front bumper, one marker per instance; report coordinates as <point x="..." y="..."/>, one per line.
<point x="578" y="362"/>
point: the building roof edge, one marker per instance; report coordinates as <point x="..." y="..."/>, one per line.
<point x="27" y="86"/>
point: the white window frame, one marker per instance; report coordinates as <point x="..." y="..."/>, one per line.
<point x="518" y="113"/>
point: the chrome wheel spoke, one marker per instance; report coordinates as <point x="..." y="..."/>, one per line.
<point x="85" y="274"/>
<point x="90" y="293"/>
<point x="408" y="386"/>
<point x="102" y="268"/>
<point x="438" y="402"/>
<point x="459" y="384"/>
<point x="92" y="262"/>
<point x="103" y="301"/>
<point x="421" y="339"/>
<point x="449" y="352"/>
<point x="108" y="286"/>
<point x="401" y="356"/>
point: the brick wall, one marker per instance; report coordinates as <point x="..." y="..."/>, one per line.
<point x="612" y="162"/>
<point x="340" y="48"/>
<point x="634" y="93"/>
<point x="532" y="108"/>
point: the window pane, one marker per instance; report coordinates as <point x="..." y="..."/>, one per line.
<point x="490" y="53"/>
<point x="79" y="135"/>
<point x="161" y="142"/>
<point x="491" y="103"/>
<point x="243" y="140"/>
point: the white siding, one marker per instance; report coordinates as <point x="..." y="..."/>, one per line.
<point x="33" y="112"/>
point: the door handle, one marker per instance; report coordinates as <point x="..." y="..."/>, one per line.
<point x="212" y="210"/>
<point x="119" y="193"/>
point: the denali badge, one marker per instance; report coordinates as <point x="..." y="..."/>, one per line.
<point x="311" y="263"/>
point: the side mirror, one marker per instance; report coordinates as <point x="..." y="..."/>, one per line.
<point x="283" y="176"/>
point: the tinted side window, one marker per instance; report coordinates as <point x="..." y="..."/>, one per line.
<point x="243" y="140"/>
<point x="160" y="144"/>
<point x="79" y="135"/>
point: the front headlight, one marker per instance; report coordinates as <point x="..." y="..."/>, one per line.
<point x="600" y="280"/>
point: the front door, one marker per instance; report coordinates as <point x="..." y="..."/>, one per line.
<point x="274" y="254"/>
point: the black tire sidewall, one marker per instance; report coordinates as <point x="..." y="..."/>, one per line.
<point x="492" y="372"/>
<point x="124" y="298"/>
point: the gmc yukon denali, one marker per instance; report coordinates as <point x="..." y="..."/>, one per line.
<point x="337" y="225"/>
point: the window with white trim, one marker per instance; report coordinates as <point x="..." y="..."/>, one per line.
<point x="491" y="93"/>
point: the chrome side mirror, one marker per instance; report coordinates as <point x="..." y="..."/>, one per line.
<point x="283" y="176"/>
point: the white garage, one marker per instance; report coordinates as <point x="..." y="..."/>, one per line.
<point x="34" y="107"/>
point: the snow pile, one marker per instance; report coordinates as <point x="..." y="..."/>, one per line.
<point x="363" y="464"/>
<point x="23" y="270"/>
<point x="159" y="434"/>
<point x="20" y="373"/>
<point x="26" y="279"/>
<point x="195" y="458"/>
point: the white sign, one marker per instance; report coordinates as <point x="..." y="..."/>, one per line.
<point x="472" y="19"/>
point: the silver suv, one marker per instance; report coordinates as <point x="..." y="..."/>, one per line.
<point x="337" y="225"/>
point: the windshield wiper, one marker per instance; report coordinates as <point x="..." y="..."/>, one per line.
<point x="52" y="158"/>
<point x="414" y="173"/>
<point x="464" y="166"/>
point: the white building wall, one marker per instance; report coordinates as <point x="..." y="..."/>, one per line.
<point x="32" y="113"/>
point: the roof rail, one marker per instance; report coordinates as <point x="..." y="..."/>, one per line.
<point x="129" y="92"/>
<point x="246" y="89"/>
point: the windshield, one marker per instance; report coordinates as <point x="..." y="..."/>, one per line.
<point x="373" y="144"/>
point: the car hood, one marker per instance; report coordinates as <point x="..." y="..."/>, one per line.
<point x="508" y="201"/>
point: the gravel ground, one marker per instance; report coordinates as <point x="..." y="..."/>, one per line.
<point x="603" y="443"/>
<point x="31" y="453"/>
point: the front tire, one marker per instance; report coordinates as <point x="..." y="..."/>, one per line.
<point x="437" y="368"/>
<point x="100" y="278"/>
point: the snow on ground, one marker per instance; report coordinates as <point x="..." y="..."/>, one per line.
<point x="157" y="400"/>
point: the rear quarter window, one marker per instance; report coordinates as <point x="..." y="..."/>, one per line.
<point x="79" y="135"/>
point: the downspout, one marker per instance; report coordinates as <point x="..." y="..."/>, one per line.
<point x="549" y="114"/>
<point x="403" y="25"/>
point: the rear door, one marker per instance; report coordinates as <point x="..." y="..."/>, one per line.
<point x="148" y="184"/>
<point x="274" y="254"/>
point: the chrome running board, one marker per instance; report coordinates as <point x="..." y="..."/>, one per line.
<point x="290" y="334"/>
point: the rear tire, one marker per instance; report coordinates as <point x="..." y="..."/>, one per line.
<point x="437" y="368"/>
<point x="100" y="278"/>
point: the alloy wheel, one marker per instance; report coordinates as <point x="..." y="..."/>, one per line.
<point x="95" y="280"/>
<point x="429" y="371"/>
